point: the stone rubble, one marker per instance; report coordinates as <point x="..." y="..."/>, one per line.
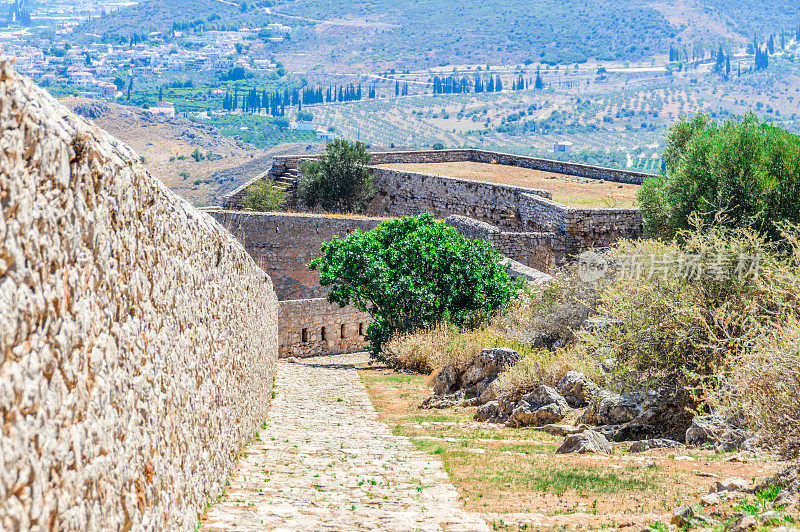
<point x="324" y="462"/>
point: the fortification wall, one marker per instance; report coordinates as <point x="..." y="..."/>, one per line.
<point x="402" y="193"/>
<point x="542" y="251"/>
<point x="284" y="243"/>
<point x="286" y="162"/>
<point x="313" y="327"/>
<point x="138" y="339"/>
<point x="578" y="229"/>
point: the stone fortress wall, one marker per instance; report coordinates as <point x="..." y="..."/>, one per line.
<point x="524" y="224"/>
<point x="284" y="243"/>
<point x="138" y="340"/>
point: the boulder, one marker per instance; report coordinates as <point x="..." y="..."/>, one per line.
<point x="743" y="524"/>
<point x="661" y="415"/>
<point x="490" y="393"/>
<point x="488" y="364"/>
<point x="563" y="430"/>
<point x="446" y="400"/>
<point x="576" y="389"/>
<point x="608" y="408"/>
<point x="445" y="380"/>
<point x="542" y="406"/>
<point x="656" y="443"/>
<point x="730" y="484"/>
<point x="732" y="440"/>
<point x="685" y="517"/>
<point x="587" y="441"/>
<point x="490" y="413"/>
<point x="705" y="429"/>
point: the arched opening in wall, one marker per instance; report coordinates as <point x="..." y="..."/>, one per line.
<point x="304" y="335"/>
<point x="361" y="328"/>
<point x="341" y="332"/>
<point x="323" y="334"/>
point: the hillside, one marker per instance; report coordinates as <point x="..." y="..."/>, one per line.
<point x="167" y="145"/>
<point x="382" y="34"/>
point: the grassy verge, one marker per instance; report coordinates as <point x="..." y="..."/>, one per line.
<point x="514" y="478"/>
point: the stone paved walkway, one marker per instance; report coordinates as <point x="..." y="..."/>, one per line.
<point x="325" y="462"/>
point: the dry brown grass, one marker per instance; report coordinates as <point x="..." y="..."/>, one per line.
<point x="540" y="317"/>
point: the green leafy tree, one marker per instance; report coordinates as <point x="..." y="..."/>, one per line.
<point x="412" y="273"/>
<point x="743" y="173"/>
<point x="340" y="180"/>
<point x="264" y="196"/>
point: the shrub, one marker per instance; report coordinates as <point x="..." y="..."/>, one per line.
<point x="669" y="329"/>
<point x="412" y="273"/>
<point x="339" y="181"/>
<point x="742" y="173"/>
<point x="763" y="386"/>
<point x="264" y="196"/>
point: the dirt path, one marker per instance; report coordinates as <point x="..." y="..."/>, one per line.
<point x="324" y="462"/>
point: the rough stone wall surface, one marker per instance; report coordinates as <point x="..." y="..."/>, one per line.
<point x="542" y="251"/>
<point x="402" y="193"/>
<point x="578" y="229"/>
<point x="138" y="339"/>
<point x="284" y="243"/>
<point x="315" y="326"/>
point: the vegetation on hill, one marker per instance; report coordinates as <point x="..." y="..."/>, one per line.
<point x="480" y="31"/>
<point x="742" y="173"/>
<point x="413" y="272"/>
<point x="339" y="180"/>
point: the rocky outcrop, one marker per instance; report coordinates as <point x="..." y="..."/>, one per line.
<point x="587" y="441"/>
<point x="576" y="389"/>
<point x="473" y="386"/>
<point x="542" y="406"/>
<point x="138" y="338"/>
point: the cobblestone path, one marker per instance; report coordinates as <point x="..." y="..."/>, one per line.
<point x="324" y="462"/>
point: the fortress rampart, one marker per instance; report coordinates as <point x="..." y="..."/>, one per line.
<point x="512" y="209"/>
<point x="138" y="340"/>
<point x="284" y="243"/>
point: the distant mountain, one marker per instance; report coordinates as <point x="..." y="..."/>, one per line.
<point x="425" y="33"/>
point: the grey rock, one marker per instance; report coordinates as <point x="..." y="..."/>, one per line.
<point x="730" y="484"/>
<point x="769" y="515"/>
<point x="446" y="400"/>
<point x="490" y="393"/>
<point x="445" y="380"/>
<point x="685" y="517"/>
<point x="544" y="395"/>
<point x="587" y="441"/>
<point x="711" y="499"/>
<point x="656" y="443"/>
<point x="488" y="364"/>
<point x="784" y="500"/>
<point x="743" y="524"/>
<point x="507" y="403"/>
<point x="563" y="430"/>
<point x="542" y="406"/>
<point x="490" y="413"/>
<point x="732" y="440"/>
<point x="528" y="414"/>
<point x="483" y="385"/>
<point x="608" y="408"/>
<point x="752" y="444"/>
<point x="576" y="389"/>
<point x="705" y="429"/>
